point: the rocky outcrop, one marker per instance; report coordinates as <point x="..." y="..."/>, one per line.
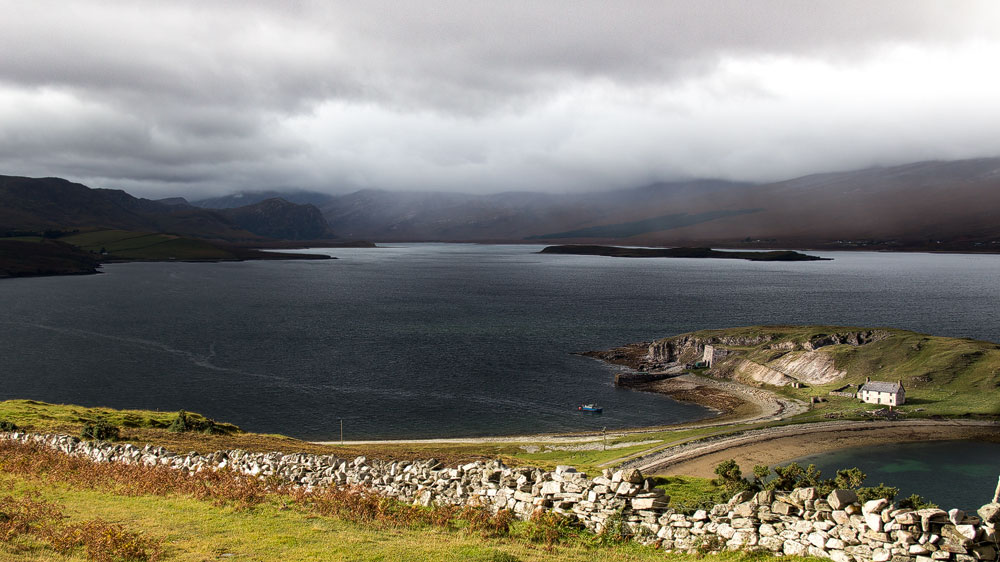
<point x="799" y="522"/>
<point x="688" y="348"/>
<point x="780" y="362"/>
<point x="854" y="338"/>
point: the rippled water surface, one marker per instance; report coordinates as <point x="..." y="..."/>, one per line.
<point x="436" y="339"/>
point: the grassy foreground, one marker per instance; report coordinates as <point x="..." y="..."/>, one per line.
<point x="55" y="506"/>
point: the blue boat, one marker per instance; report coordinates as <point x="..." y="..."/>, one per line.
<point x="591" y="408"/>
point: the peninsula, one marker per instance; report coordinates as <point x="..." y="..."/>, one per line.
<point x="622" y="252"/>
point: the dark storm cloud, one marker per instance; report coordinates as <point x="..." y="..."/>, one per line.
<point x="188" y="97"/>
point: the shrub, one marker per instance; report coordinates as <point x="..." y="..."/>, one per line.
<point x="850" y="478"/>
<point x="100" y="430"/>
<point x="105" y="542"/>
<point x="615" y="530"/>
<point x="25" y="515"/>
<point x="184" y="422"/>
<point x="7" y="426"/>
<point x="730" y="479"/>
<point x="793" y="476"/>
<point x="548" y="527"/>
<point x="223" y="487"/>
<point x="706" y="544"/>
<point x="486" y="524"/>
<point x="877" y="492"/>
<point x="915" y="501"/>
<point x="180" y="423"/>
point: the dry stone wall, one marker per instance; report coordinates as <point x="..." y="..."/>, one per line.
<point x="799" y="522"/>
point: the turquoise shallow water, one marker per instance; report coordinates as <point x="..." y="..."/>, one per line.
<point x="426" y="340"/>
<point x="959" y="474"/>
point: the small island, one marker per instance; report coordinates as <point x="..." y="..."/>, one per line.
<point x="620" y="252"/>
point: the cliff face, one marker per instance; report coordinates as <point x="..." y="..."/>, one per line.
<point x="810" y="367"/>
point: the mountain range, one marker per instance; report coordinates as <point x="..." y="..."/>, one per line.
<point x="923" y="205"/>
<point x="947" y="205"/>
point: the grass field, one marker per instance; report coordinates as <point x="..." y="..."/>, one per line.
<point x="72" y="509"/>
<point x="125" y="244"/>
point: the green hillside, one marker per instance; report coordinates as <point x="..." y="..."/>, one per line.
<point x="124" y="244"/>
<point x="27" y="256"/>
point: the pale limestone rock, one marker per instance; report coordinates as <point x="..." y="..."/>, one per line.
<point x="874" y="521"/>
<point x="839" y="499"/>
<point x="875" y="506"/>
<point x="881" y="555"/>
<point x="793" y="548"/>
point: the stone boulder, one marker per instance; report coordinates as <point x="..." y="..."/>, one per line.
<point x="839" y="499"/>
<point x="990" y="513"/>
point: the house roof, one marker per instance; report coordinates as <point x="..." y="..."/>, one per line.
<point x="880" y="386"/>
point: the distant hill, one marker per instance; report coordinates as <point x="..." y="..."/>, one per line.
<point x="175" y="202"/>
<point x="245" y="198"/>
<point x="20" y="258"/>
<point x="277" y="218"/>
<point x="32" y="205"/>
<point x="36" y="205"/>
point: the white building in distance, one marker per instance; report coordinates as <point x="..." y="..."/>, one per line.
<point x="883" y="393"/>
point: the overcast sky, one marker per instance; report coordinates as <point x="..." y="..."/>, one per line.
<point x="202" y="98"/>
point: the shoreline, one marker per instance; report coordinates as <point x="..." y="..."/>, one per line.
<point x="733" y="403"/>
<point x="775" y="445"/>
<point x="738" y="404"/>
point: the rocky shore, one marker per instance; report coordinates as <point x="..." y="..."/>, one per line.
<point x="796" y="522"/>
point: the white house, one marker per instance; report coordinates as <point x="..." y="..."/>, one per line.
<point x="884" y="393"/>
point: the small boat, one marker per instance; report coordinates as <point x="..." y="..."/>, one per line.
<point x="590" y="408"/>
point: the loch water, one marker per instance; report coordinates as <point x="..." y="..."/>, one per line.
<point x="437" y="340"/>
<point x="960" y="474"/>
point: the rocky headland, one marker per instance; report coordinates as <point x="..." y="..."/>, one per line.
<point x="820" y="365"/>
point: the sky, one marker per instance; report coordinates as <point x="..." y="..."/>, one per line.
<point x="201" y="98"/>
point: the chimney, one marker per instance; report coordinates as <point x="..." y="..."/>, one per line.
<point x="868" y="379"/>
